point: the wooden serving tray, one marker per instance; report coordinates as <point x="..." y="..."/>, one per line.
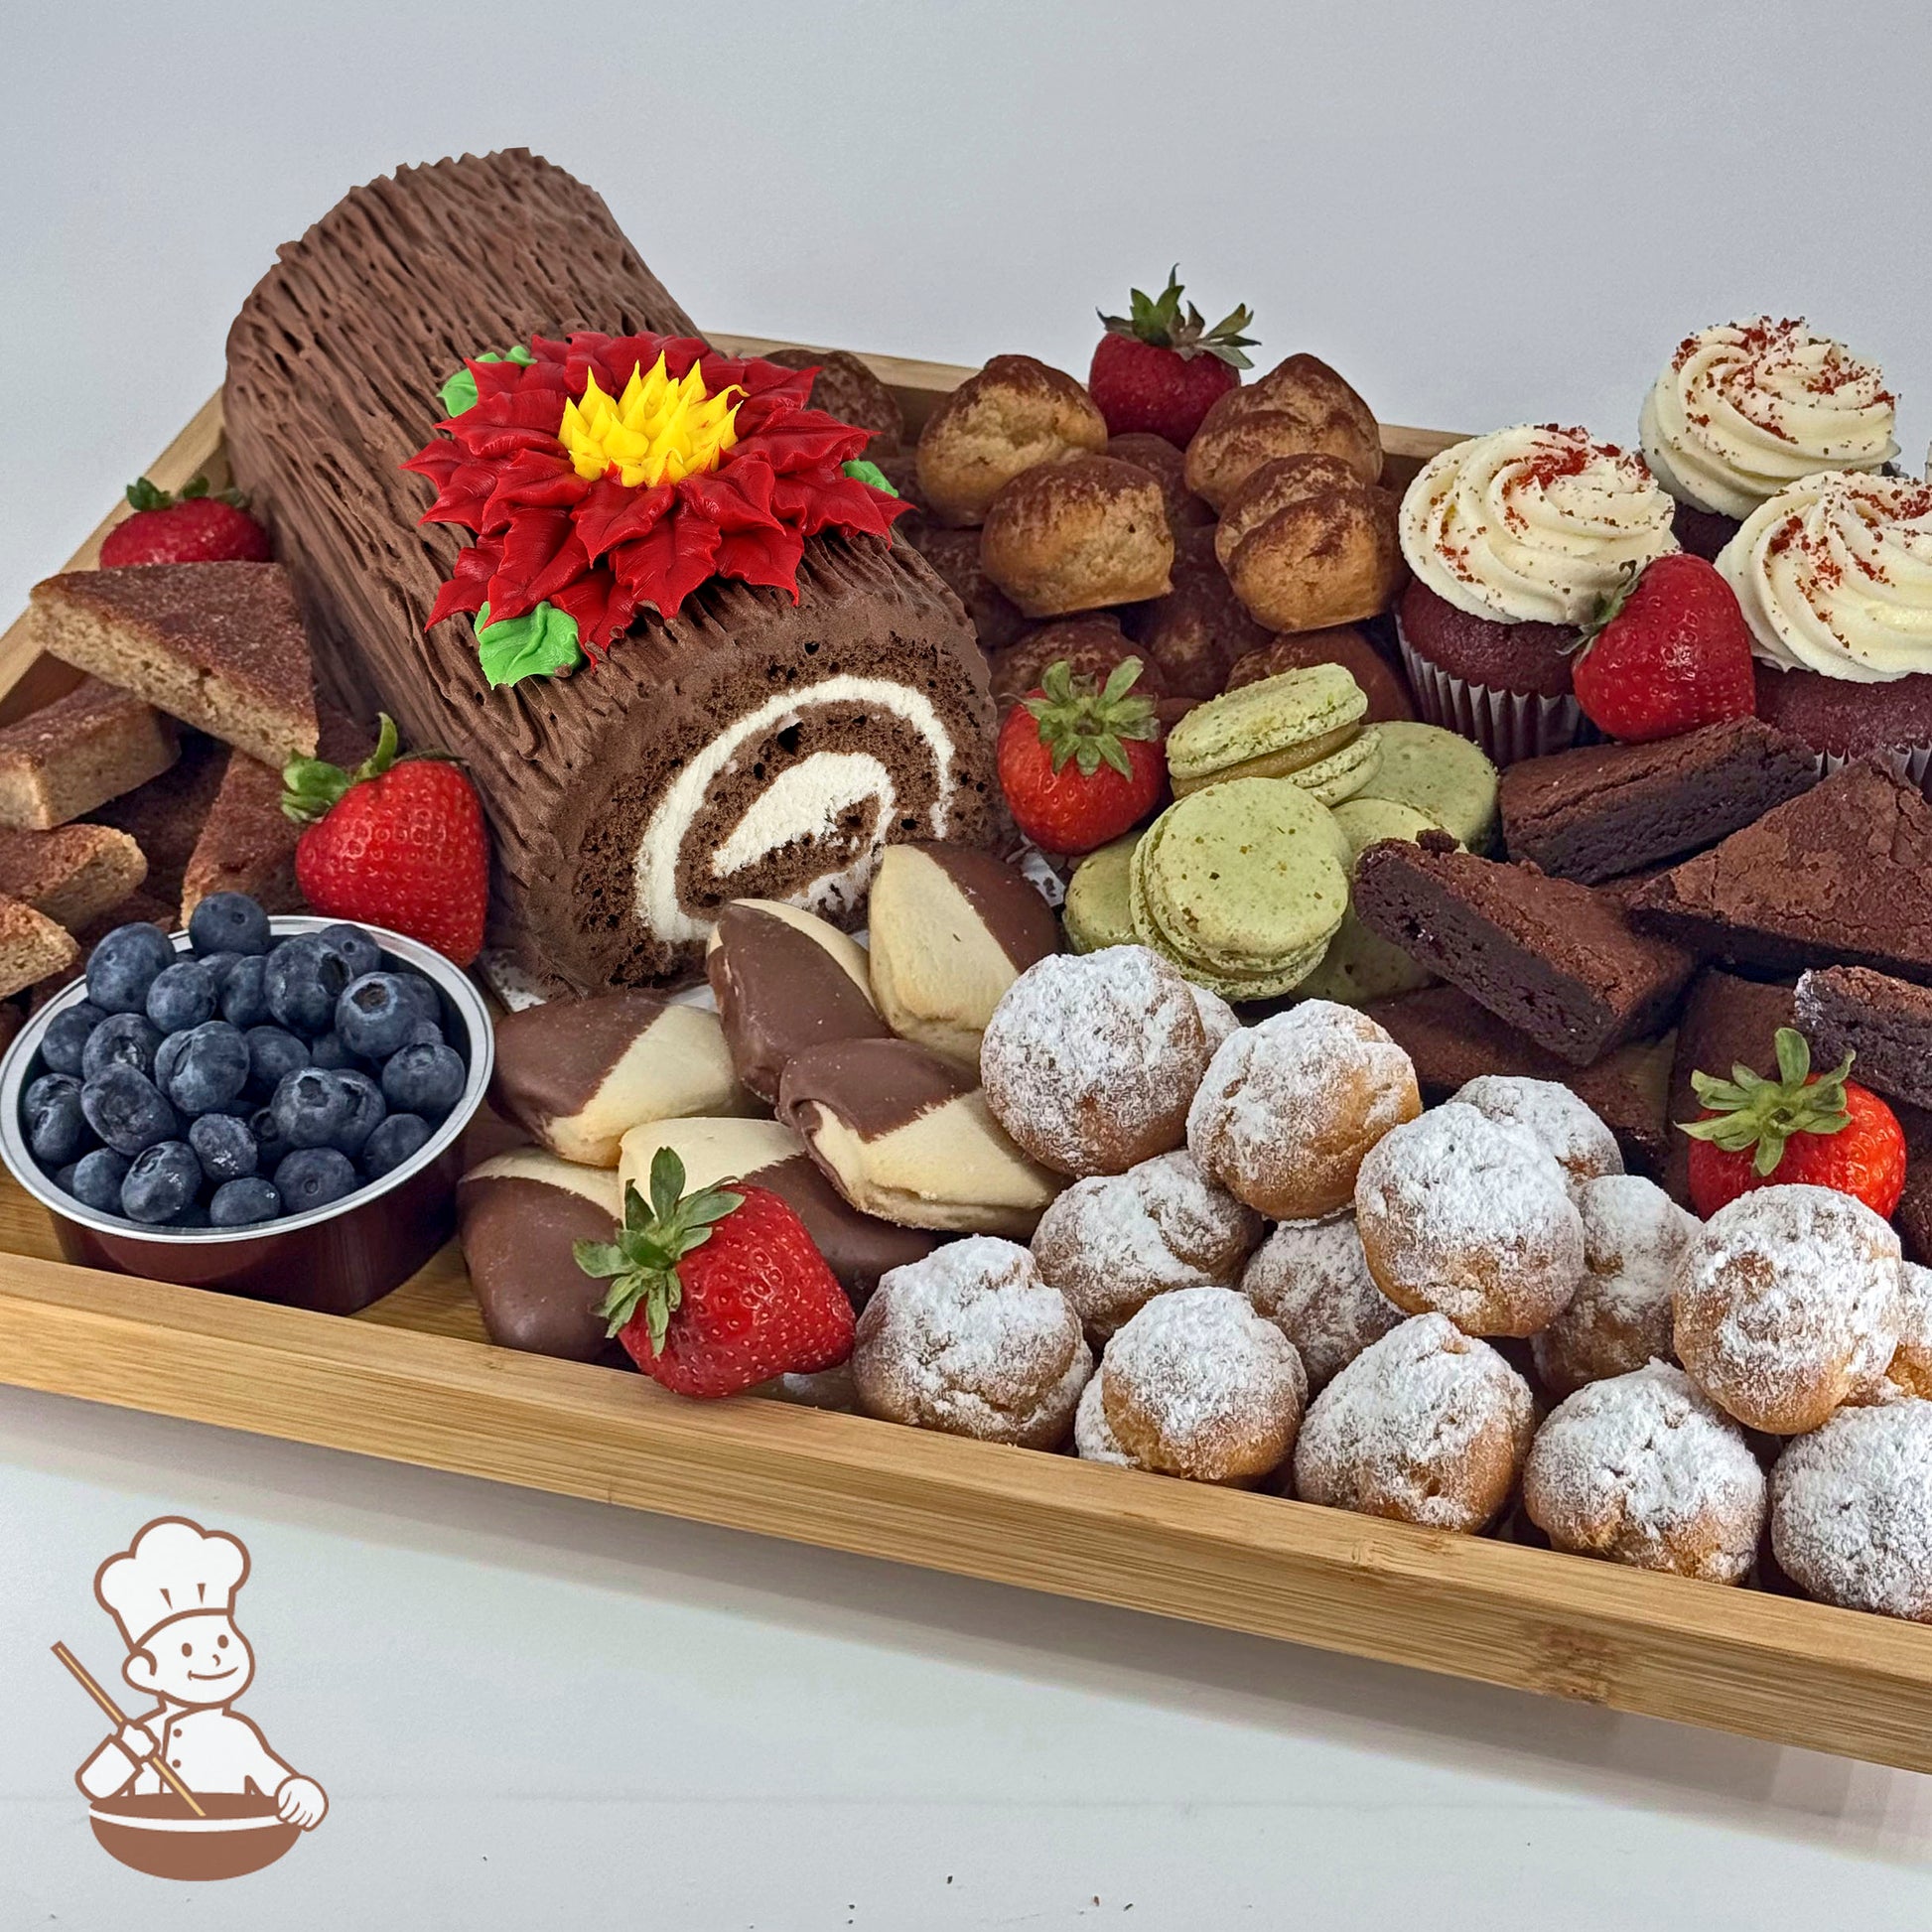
<point x="413" y="1379"/>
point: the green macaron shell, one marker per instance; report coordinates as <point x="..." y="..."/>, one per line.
<point x="1442" y="775"/>
<point x="1244" y="881"/>
<point x="1342" y="774"/>
<point x="1273" y="713"/>
<point x="1099" y="898"/>
<point x="1361" y="965"/>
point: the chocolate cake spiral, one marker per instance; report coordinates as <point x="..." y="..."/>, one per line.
<point x="755" y="746"/>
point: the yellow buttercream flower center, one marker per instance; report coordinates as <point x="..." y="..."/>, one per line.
<point x="661" y="429"/>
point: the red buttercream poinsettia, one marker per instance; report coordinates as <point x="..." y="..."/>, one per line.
<point x="599" y="549"/>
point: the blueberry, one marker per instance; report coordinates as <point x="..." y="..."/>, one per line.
<point x="228" y="923"/>
<point x="65" y="1040"/>
<point x="425" y="1080"/>
<point x="311" y="1106"/>
<point x="209" y="1070"/>
<point x="356" y="946"/>
<point x="162" y="1181"/>
<point x="194" y="1215"/>
<point x="399" y="1138"/>
<point x="331" y="1050"/>
<point x="241" y="1203"/>
<point x="303" y="981"/>
<point x="423" y="994"/>
<point x="166" y="1056"/>
<point x="182" y="996"/>
<point x="125" y="964"/>
<point x="425" y="1033"/>
<point x="64" y="1176"/>
<point x="125" y="1040"/>
<point x="217" y="966"/>
<point x="126" y="1109"/>
<point x="57" y="1129"/>
<point x="313" y="1176"/>
<point x="366" y="1108"/>
<point x="242" y="1004"/>
<point x="98" y="1179"/>
<point x="223" y="1146"/>
<point x="271" y="1144"/>
<point x="376" y="1016"/>
<point x="273" y="1053"/>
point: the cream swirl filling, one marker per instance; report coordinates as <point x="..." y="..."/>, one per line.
<point x="1747" y="408"/>
<point x="804" y="802"/>
<point x="1835" y="576"/>
<point x="1533" y="525"/>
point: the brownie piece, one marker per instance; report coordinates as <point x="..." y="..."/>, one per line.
<point x="1605" y="810"/>
<point x="1453" y="1041"/>
<point x="1839" y="876"/>
<point x="1915" y="1215"/>
<point x="165" y="816"/>
<point x="1884" y="1023"/>
<point x="1727" y="1021"/>
<point x="1557" y="960"/>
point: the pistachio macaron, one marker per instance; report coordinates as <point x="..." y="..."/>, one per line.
<point x="1361" y="965"/>
<point x="1306" y="725"/>
<point x="1442" y="775"/>
<point x="1242" y="886"/>
<point x="1099" y="898"/>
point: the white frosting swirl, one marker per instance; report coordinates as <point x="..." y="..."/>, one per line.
<point x="1747" y="408"/>
<point x="1835" y="576"/>
<point x="1534" y="525"/>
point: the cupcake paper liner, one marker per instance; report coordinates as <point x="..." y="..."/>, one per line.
<point x="1508" y="724"/>
<point x="1909" y="762"/>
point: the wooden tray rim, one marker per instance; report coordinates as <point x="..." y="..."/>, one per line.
<point x="1765" y="1666"/>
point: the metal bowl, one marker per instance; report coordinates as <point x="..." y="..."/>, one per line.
<point x="334" y="1259"/>
<point x="163" y="1837"/>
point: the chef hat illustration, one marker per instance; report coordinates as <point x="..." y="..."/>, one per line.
<point x="173" y="1568"/>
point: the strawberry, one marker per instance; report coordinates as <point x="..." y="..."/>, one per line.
<point x="1670" y="652"/>
<point x="1157" y="368"/>
<point x="397" y="843"/>
<point x="714" y="1293"/>
<point x="194" y="527"/>
<point x="1802" y="1128"/>
<point x="1079" y="764"/>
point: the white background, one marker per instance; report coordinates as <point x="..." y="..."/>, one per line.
<point x="535" y="1714"/>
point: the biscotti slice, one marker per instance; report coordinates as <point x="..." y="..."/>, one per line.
<point x="1559" y="961"/>
<point x="77" y="753"/>
<point x="73" y="873"/>
<point x="1885" y="1023"/>
<point x="219" y="647"/>
<point x="1841" y="876"/>
<point x="1453" y="1041"/>
<point x="30" y="947"/>
<point x="1602" y="811"/>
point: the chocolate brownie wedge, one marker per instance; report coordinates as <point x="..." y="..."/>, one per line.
<point x="1605" y="810"/>
<point x="1885" y="1023"/>
<point x="1557" y="960"/>
<point x="219" y="647"/>
<point x="1451" y="1040"/>
<point x="1840" y="875"/>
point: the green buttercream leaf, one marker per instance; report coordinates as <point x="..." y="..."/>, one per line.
<point x="538" y="645"/>
<point x="459" y="392"/>
<point x="870" y="474"/>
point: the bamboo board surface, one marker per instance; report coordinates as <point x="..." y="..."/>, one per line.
<point x="412" y="1379"/>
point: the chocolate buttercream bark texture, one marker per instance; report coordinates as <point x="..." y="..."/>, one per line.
<point x="753" y="748"/>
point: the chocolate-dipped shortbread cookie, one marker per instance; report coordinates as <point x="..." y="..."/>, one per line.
<point x="519" y="1215"/>
<point x="577" y="1074"/>
<point x="908" y="1136"/>
<point x="786" y="982"/>
<point x="951" y="929"/>
<point x="858" y="1248"/>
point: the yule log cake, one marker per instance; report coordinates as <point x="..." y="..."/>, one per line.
<point x="638" y="768"/>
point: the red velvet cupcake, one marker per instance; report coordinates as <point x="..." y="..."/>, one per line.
<point x="1516" y="540"/>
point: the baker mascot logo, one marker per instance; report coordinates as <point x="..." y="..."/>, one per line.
<point x="188" y="1787"/>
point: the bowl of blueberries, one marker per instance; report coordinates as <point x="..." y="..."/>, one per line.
<point x="272" y="1106"/>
